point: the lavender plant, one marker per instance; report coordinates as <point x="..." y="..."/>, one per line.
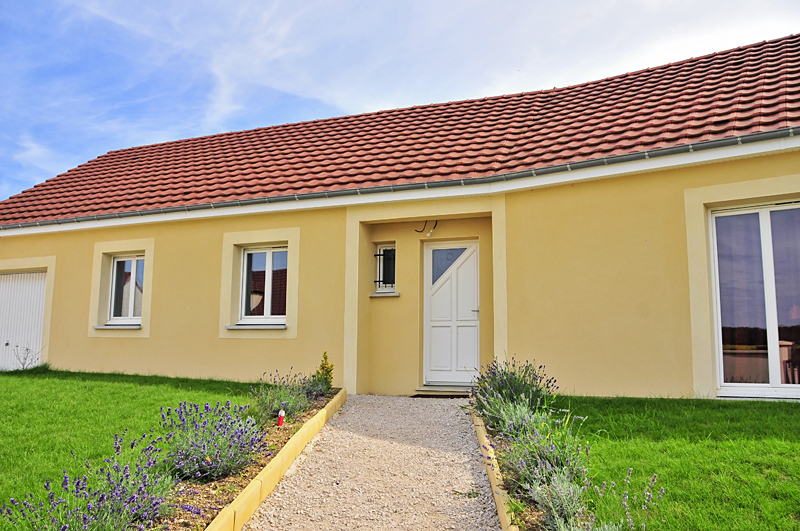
<point x="127" y="491"/>
<point x="510" y="382"/>
<point x="286" y="393"/>
<point x="542" y="457"/>
<point x="537" y="453"/>
<point x="608" y="527"/>
<point x="609" y="498"/>
<point x="563" y="501"/>
<point x="319" y="383"/>
<point x="511" y="418"/>
<point x="209" y="443"/>
<point x="316" y="386"/>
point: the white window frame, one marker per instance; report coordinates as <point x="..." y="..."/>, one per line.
<point x="379" y="286"/>
<point x="137" y="320"/>
<point x="775" y="388"/>
<point x="261" y="319"/>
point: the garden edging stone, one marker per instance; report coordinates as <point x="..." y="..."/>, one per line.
<point x="239" y="511"/>
<point x="487" y="453"/>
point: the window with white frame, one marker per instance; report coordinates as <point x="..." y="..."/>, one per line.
<point x="127" y="288"/>
<point x="757" y="254"/>
<point x="385" y="261"/>
<point x="263" y="295"/>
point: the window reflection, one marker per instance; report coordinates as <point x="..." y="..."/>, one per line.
<point x="786" y="254"/>
<point x="278" y="302"/>
<point x="742" y="305"/>
<point x="254" y="283"/>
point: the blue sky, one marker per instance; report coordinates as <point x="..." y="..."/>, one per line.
<point x="80" y="78"/>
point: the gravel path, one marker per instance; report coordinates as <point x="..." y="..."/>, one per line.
<point x="386" y="463"/>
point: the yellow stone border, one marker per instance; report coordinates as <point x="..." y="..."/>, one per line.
<point x="500" y="495"/>
<point x="234" y="516"/>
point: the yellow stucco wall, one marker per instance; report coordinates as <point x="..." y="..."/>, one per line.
<point x="184" y="325"/>
<point x="598" y="285"/>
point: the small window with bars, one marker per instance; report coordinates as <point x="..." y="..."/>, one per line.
<point x="385" y="258"/>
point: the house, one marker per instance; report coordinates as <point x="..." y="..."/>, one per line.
<point x="638" y="235"/>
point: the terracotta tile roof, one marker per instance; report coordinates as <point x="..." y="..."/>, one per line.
<point x="737" y="92"/>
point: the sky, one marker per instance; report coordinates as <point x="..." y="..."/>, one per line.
<point x="79" y="78"/>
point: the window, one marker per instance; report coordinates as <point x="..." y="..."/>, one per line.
<point x="757" y="254"/>
<point x="263" y="299"/>
<point x="127" y="289"/>
<point x="259" y="286"/>
<point x="385" y="258"/>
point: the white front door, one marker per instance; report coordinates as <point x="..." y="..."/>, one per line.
<point x="452" y="317"/>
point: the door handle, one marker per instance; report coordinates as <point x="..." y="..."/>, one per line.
<point x="475" y="310"/>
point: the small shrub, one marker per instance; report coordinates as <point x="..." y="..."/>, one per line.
<point x="26" y="357"/>
<point x="509" y="382"/>
<point x="510" y="418"/>
<point x="325" y="370"/>
<point x="563" y="502"/>
<point x="316" y="386"/>
<point x="321" y="381"/>
<point x="515" y="510"/>
<point x="538" y="453"/>
<point x="287" y="393"/>
<point x="210" y="443"/>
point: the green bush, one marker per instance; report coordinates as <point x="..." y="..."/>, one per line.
<point x="510" y="383"/>
<point x="287" y="393"/>
<point x="208" y="443"/>
<point x="563" y="501"/>
<point x="325" y="370"/>
<point x="511" y="418"/>
<point x="316" y="386"/>
<point x="538" y="453"/>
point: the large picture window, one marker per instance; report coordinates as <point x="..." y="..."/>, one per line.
<point x="758" y="295"/>
<point x="263" y="297"/>
<point x="127" y="289"/>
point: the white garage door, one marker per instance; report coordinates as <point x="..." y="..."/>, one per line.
<point x="21" y="316"/>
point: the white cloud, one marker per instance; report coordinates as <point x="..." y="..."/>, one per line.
<point x="34" y="163"/>
<point x="85" y="76"/>
<point x="39" y="159"/>
<point x="363" y="55"/>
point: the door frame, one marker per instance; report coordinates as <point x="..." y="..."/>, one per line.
<point x="427" y="275"/>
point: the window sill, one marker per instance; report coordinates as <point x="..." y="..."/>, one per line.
<point x="784" y="391"/>
<point x="118" y="327"/>
<point x="256" y="327"/>
<point x="379" y="294"/>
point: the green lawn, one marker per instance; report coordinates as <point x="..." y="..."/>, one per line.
<point x="725" y="465"/>
<point x="44" y="414"/>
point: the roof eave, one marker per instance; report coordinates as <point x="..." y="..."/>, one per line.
<point x="777" y="134"/>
